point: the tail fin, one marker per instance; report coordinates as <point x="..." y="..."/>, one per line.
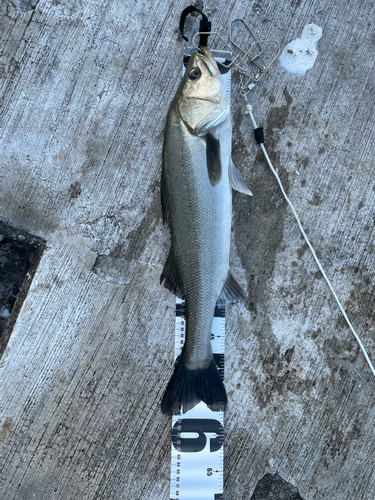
<point x="189" y="387"/>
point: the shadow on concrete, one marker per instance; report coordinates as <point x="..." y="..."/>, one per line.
<point x="20" y="253"/>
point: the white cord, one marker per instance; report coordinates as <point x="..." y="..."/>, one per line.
<point x="250" y="110"/>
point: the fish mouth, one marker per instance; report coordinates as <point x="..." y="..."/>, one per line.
<point x="208" y="60"/>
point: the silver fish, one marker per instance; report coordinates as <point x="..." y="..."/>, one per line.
<point x="196" y="194"/>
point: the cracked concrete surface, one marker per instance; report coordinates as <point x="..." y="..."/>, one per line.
<point x="85" y="88"/>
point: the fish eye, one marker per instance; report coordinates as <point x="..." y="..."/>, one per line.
<point x="194" y="74"/>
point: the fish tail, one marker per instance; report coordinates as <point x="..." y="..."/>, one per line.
<point x="188" y="387"/>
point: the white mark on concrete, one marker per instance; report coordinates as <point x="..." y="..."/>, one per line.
<point x="4" y="313"/>
<point x="287" y="332"/>
<point x="300" y="54"/>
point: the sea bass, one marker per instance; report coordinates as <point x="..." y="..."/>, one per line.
<point x="196" y="194"/>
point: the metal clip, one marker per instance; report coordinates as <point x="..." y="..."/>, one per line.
<point x="243" y="60"/>
<point x="247" y="78"/>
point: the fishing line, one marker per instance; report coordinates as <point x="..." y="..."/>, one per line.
<point x="250" y="111"/>
<point x="247" y="83"/>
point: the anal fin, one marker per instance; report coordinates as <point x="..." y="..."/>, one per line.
<point x="232" y="291"/>
<point x="236" y="181"/>
<point x="169" y="277"/>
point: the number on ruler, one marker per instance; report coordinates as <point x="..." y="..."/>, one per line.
<point x="197" y="426"/>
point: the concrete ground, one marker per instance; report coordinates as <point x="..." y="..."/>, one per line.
<point x="85" y="89"/>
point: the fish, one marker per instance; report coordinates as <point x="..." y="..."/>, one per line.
<point x="196" y="197"/>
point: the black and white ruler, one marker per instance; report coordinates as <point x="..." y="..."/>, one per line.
<point x="197" y="461"/>
<point x="198" y="435"/>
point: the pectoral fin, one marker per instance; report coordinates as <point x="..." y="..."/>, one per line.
<point x="169" y="277"/>
<point x="236" y="180"/>
<point x="232" y="291"/>
<point x="213" y="154"/>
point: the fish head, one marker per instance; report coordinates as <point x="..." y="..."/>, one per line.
<point x="203" y="103"/>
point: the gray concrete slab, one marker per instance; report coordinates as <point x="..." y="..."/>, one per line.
<point x="85" y="88"/>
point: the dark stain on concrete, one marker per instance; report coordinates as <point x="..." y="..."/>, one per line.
<point x="281" y="374"/>
<point x="136" y="240"/>
<point x="278" y="115"/>
<point x="338" y="350"/>
<point x="302" y="162"/>
<point x="74" y="190"/>
<point x="318" y="275"/>
<point x="258" y="221"/>
<point x="340" y="435"/>
<point x="316" y="200"/>
<point x="24" y="5"/>
<point x="274" y="487"/>
<point x="9" y="66"/>
<point x="301" y="251"/>
<point x="114" y="267"/>
<point x="360" y="304"/>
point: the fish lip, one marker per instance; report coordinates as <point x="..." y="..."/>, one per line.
<point x="208" y="60"/>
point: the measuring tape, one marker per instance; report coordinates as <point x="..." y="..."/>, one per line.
<point x="197" y="458"/>
<point x="198" y="436"/>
